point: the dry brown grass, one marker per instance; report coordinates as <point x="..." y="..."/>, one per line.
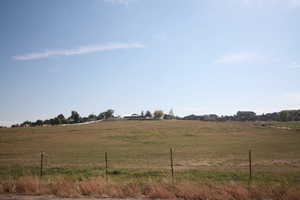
<point x="132" y="190"/>
<point x="28" y="185"/>
<point x="97" y="187"/>
<point x="145" y="144"/>
<point x="192" y="191"/>
<point x="65" y="188"/>
<point x="92" y="187"/>
<point x="160" y="191"/>
<point x="25" y="185"/>
<point x="293" y="193"/>
<point x="8" y="187"/>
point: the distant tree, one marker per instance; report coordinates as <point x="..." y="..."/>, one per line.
<point x="142" y="114"/>
<point x="297" y="118"/>
<point x="39" y="122"/>
<point x="53" y="121"/>
<point x="60" y="119"/>
<point x="100" y="116"/>
<point x="158" y="114"/>
<point x="92" y="117"/>
<point x="245" y="115"/>
<point x="292" y="115"/>
<point x="26" y="124"/>
<point x="57" y="120"/>
<point x="84" y="119"/>
<point x="167" y="116"/>
<point x="148" y="114"/>
<point x="75" y="117"/>
<point x="271" y="116"/>
<point x="47" y="122"/>
<point x="283" y="115"/>
<point x="15" y="125"/>
<point x="108" y="114"/>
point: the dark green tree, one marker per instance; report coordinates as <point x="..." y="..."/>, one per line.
<point x="108" y="114"/>
<point x="148" y="114"/>
<point x="92" y="117"/>
<point x="60" y="119"/>
<point x="39" y="122"/>
<point x="100" y="116"/>
<point x="75" y="117"/>
<point x="283" y="115"/>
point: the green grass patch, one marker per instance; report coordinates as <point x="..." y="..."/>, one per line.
<point x="123" y="175"/>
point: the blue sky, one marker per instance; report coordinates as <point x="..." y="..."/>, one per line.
<point x="195" y="56"/>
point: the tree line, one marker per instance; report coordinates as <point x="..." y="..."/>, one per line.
<point x="285" y="115"/>
<point x="73" y="119"/>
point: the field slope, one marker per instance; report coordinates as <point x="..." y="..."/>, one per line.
<point x="145" y="144"/>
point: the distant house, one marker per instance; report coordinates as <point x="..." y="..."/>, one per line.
<point x="134" y="117"/>
<point x="168" y="117"/>
<point x="210" y="117"/>
<point x="192" y="117"/>
<point x="117" y="117"/>
<point x="71" y="120"/>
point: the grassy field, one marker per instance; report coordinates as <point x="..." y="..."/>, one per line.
<point x="141" y="148"/>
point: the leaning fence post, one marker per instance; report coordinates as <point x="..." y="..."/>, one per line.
<point x="250" y="165"/>
<point x="106" y="167"/>
<point x="172" y="166"/>
<point x="41" y="167"/>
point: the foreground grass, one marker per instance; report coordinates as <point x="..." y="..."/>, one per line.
<point x="162" y="189"/>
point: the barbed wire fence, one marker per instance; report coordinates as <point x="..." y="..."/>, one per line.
<point x="45" y="164"/>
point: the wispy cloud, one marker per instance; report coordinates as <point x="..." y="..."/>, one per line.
<point x="80" y="50"/>
<point x="237" y="57"/>
<point x="122" y="2"/>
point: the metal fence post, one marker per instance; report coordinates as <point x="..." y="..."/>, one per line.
<point x="172" y="165"/>
<point x="250" y="165"/>
<point x="106" y="167"/>
<point x="41" y="167"/>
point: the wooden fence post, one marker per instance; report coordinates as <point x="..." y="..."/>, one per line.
<point x="250" y="165"/>
<point x="42" y="160"/>
<point x="172" y="166"/>
<point x="106" y="167"/>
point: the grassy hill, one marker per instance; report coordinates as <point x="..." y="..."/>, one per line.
<point x="145" y="144"/>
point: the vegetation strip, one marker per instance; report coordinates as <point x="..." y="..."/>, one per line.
<point x="164" y="189"/>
